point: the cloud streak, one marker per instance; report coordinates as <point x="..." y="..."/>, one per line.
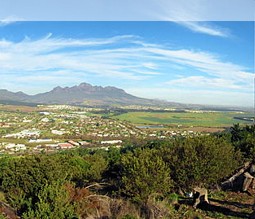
<point x="202" y="82"/>
<point x="61" y="61"/>
<point x="191" y="16"/>
<point x="204" y="28"/>
<point x="10" y="20"/>
<point x="202" y="96"/>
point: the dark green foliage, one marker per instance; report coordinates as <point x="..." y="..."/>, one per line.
<point x="23" y="178"/>
<point x="113" y="156"/>
<point x="199" y="161"/>
<point x="243" y="138"/>
<point x="143" y="173"/>
<point x="53" y="202"/>
<point x="97" y="166"/>
<point x="86" y="169"/>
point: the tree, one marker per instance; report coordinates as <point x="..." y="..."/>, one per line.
<point x="143" y="173"/>
<point x="243" y="138"/>
<point x="53" y="202"/>
<point x="200" y="161"/>
<point x="23" y="178"/>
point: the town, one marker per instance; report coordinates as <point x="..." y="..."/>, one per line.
<point x="52" y="128"/>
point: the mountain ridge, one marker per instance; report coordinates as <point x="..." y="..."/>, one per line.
<point x="82" y="94"/>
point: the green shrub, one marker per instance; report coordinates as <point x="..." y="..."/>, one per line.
<point x="173" y="198"/>
<point x="243" y="138"/>
<point x="53" y="202"/>
<point x="200" y="161"/>
<point x="23" y="178"/>
<point x="143" y="173"/>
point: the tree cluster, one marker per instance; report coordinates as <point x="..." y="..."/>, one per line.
<point x="74" y="184"/>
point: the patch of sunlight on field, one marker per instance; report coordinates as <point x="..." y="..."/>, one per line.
<point x="206" y="119"/>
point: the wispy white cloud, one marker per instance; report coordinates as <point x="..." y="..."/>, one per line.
<point x="202" y="82"/>
<point x="9" y="20"/>
<point x="202" y="96"/>
<point x="205" y="28"/>
<point x="32" y="58"/>
<point x="150" y="65"/>
<point x="192" y="16"/>
<point x="57" y="61"/>
<point x="209" y="64"/>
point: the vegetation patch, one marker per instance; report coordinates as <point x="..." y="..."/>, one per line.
<point x="206" y="119"/>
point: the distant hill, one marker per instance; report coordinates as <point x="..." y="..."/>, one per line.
<point x="11" y="96"/>
<point x="83" y="94"/>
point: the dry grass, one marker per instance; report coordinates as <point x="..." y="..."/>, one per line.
<point x="121" y="208"/>
<point x="26" y="109"/>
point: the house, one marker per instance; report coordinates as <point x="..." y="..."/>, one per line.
<point x="111" y="142"/>
<point x="10" y="146"/>
<point x="44" y="113"/>
<point x="52" y="146"/>
<point x="84" y="143"/>
<point x="20" y="147"/>
<point x="74" y="143"/>
<point x="57" y="132"/>
<point x="24" y="134"/>
<point x="63" y="146"/>
<point x="15" y="147"/>
<point x="45" y="119"/>
<point x="40" y="140"/>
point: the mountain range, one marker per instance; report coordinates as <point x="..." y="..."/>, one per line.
<point x="83" y="94"/>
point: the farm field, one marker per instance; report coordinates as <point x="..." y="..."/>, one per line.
<point x="18" y="108"/>
<point x="201" y="119"/>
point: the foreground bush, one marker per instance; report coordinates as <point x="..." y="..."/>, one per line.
<point x="200" y="161"/>
<point x="138" y="180"/>
<point x="243" y="138"/>
<point x="143" y="173"/>
<point x="33" y="185"/>
<point x="22" y="179"/>
<point x="53" y="202"/>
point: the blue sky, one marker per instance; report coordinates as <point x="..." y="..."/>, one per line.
<point x="123" y="10"/>
<point x="189" y="62"/>
<point x="171" y="51"/>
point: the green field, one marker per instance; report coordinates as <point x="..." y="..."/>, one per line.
<point x="205" y="119"/>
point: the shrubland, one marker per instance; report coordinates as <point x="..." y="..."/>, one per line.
<point x="141" y="180"/>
